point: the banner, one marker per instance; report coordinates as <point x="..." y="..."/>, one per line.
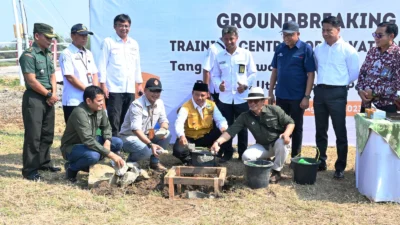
<point x="174" y="36"/>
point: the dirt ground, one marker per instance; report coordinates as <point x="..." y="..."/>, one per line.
<point x="56" y="201"/>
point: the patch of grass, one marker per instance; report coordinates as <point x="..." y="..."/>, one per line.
<point x="9" y="82"/>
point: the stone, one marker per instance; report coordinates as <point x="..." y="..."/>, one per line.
<point x="99" y="173"/>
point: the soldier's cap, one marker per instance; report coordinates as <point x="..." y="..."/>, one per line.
<point x="44" y="29"/>
<point x="153" y="84"/>
<point x="290" y="27"/>
<point x="80" y="29"/>
<point x="200" y="86"/>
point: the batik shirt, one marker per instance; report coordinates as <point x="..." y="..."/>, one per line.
<point x="380" y="72"/>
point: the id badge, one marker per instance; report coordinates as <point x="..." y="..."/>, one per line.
<point x="242" y="68"/>
<point x="89" y="78"/>
<point x="151" y="134"/>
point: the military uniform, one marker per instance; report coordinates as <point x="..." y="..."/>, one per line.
<point x="38" y="116"/>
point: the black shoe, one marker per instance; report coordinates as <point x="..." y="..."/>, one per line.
<point x="36" y="177"/>
<point x="322" y="167"/>
<point x="338" y="174"/>
<point x="70" y="174"/>
<point x="50" y="168"/>
<point x="224" y="159"/>
<point x="240" y="158"/>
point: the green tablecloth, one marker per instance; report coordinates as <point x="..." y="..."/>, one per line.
<point x="389" y="131"/>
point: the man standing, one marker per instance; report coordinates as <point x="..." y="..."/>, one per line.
<point x="38" y="103"/>
<point x="78" y="69"/>
<point x="379" y="78"/>
<point x="119" y="66"/>
<point x="79" y="145"/>
<point x="337" y="66"/>
<point x="137" y="131"/>
<point x="293" y="67"/>
<point x="208" y="68"/>
<point x="195" y="123"/>
<point x="271" y="128"/>
<point x="235" y="72"/>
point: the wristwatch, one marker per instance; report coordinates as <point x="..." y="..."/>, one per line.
<point x="149" y="145"/>
<point x="49" y="94"/>
<point x="307" y="96"/>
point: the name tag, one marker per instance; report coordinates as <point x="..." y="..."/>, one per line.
<point x="242" y="68"/>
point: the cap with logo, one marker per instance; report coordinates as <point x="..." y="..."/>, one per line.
<point x="44" y="29"/>
<point x="290" y="27"/>
<point x="153" y="84"/>
<point x="80" y="29"/>
<point x="200" y="86"/>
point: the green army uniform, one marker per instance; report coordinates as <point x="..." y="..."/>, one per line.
<point x="37" y="115"/>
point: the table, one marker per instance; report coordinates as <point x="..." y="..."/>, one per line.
<point x="377" y="159"/>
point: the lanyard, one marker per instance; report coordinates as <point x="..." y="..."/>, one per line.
<point x="81" y="58"/>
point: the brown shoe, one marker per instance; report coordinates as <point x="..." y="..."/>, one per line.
<point x="275" y="177"/>
<point x="158" y="167"/>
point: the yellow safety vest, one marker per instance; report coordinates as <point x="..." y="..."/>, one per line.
<point x="195" y="126"/>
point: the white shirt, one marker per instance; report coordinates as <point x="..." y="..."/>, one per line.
<point x="139" y="116"/>
<point x="227" y="69"/>
<point x="78" y="63"/>
<point x="209" y="61"/>
<point x="119" y="64"/>
<point x="220" y="121"/>
<point x="337" y="64"/>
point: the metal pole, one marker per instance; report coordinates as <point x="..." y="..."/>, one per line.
<point x="24" y="23"/>
<point x="19" y="41"/>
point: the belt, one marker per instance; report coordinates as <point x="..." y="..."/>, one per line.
<point x="331" y="86"/>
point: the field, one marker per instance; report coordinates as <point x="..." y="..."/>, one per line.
<point x="55" y="201"/>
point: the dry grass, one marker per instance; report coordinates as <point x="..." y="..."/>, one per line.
<point x="55" y="201"/>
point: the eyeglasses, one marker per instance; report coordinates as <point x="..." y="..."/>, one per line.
<point x="253" y="101"/>
<point x="377" y="35"/>
<point x="285" y="35"/>
<point x="155" y="91"/>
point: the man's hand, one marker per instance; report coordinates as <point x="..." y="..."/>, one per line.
<point x="222" y="86"/>
<point x="305" y="103"/>
<point x="154" y="149"/>
<point x="107" y="145"/>
<point x="183" y="141"/>
<point x="223" y="129"/>
<point x="286" y="138"/>
<point x="105" y="89"/>
<point x="241" y="88"/>
<point x="119" y="162"/>
<point x="215" y="148"/>
<point x="271" y="99"/>
<point x="365" y="97"/>
<point x="52" y="100"/>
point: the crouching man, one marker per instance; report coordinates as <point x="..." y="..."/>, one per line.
<point x="137" y="131"/>
<point x="271" y="129"/>
<point x="79" y="145"/>
<point x="194" y="123"/>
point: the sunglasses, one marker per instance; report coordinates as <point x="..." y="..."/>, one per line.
<point x="376" y="35"/>
<point x="155" y="91"/>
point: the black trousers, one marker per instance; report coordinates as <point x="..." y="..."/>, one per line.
<point x="38" y="120"/>
<point x="231" y="112"/>
<point x="67" y="112"/>
<point x="207" y="140"/>
<point x="386" y="108"/>
<point x="292" y="108"/>
<point x="117" y="106"/>
<point x="330" y="101"/>
<point x="215" y="97"/>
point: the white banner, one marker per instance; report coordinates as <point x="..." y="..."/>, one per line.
<point x="174" y="35"/>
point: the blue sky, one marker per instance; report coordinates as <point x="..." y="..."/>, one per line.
<point x="60" y="14"/>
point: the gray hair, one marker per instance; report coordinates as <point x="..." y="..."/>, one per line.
<point x="230" y="30"/>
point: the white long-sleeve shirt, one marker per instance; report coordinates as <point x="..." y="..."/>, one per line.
<point x="220" y="121"/>
<point x="119" y="64"/>
<point x="227" y="70"/>
<point x="209" y="63"/>
<point x="337" y="64"/>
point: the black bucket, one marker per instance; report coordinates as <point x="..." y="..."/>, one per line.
<point x="257" y="173"/>
<point x="203" y="158"/>
<point x="305" y="169"/>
